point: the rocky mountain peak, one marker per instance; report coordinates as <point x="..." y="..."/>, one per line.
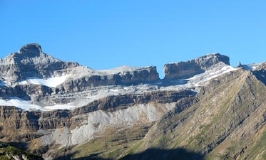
<point x="31" y="61"/>
<point x="29" y="54"/>
<point x="211" y="59"/>
<point x="190" y="68"/>
<point x="31" y="49"/>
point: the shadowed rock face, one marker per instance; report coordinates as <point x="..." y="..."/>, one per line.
<point x="188" y="69"/>
<point x="260" y="73"/>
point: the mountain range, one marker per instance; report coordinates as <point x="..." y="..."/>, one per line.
<point x="202" y="109"/>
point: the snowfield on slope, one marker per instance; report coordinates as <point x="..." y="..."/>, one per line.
<point x="17" y="102"/>
<point x="218" y="70"/>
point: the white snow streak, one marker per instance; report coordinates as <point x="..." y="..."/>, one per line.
<point x="17" y="102"/>
<point x="200" y="79"/>
<point x="50" y="82"/>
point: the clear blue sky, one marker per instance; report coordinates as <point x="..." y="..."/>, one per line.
<point x="104" y="34"/>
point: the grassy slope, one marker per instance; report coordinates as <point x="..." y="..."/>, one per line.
<point x="223" y="124"/>
<point x="7" y="151"/>
<point x="114" y="143"/>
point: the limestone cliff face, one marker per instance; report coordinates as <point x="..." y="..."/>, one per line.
<point x="182" y="70"/>
<point x="14" y="118"/>
<point x="127" y="77"/>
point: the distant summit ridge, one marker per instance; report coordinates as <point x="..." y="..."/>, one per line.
<point x="31" y="61"/>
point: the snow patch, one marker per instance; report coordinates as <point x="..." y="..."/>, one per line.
<point x="60" y="106"/>
<point x="50" y="82"/>
<point x="17" y="102"/>
<point x="28" y="105"/>
<point x="121" y="69"/>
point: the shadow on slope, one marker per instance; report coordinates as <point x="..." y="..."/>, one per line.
<point x="94" y="156"/>
<point x="260" y="75"/>
<point x="164" y="154"/>
<point x="149" y="154"/>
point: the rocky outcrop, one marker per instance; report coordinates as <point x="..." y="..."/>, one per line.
<point x="141" y="75"/>
<point x="30" y="61"/>
<point x="182" y="70"/>
<point x="26" y="92"/>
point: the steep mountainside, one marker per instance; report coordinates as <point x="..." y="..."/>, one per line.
<point x="202" y="109"/>
<point x="227" y="122"/>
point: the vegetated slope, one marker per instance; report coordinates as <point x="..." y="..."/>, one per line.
<point x="226" y="120"/>
<point x="9" y="152"/>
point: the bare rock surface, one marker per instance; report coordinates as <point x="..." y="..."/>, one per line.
<point x="182" y="70"/>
